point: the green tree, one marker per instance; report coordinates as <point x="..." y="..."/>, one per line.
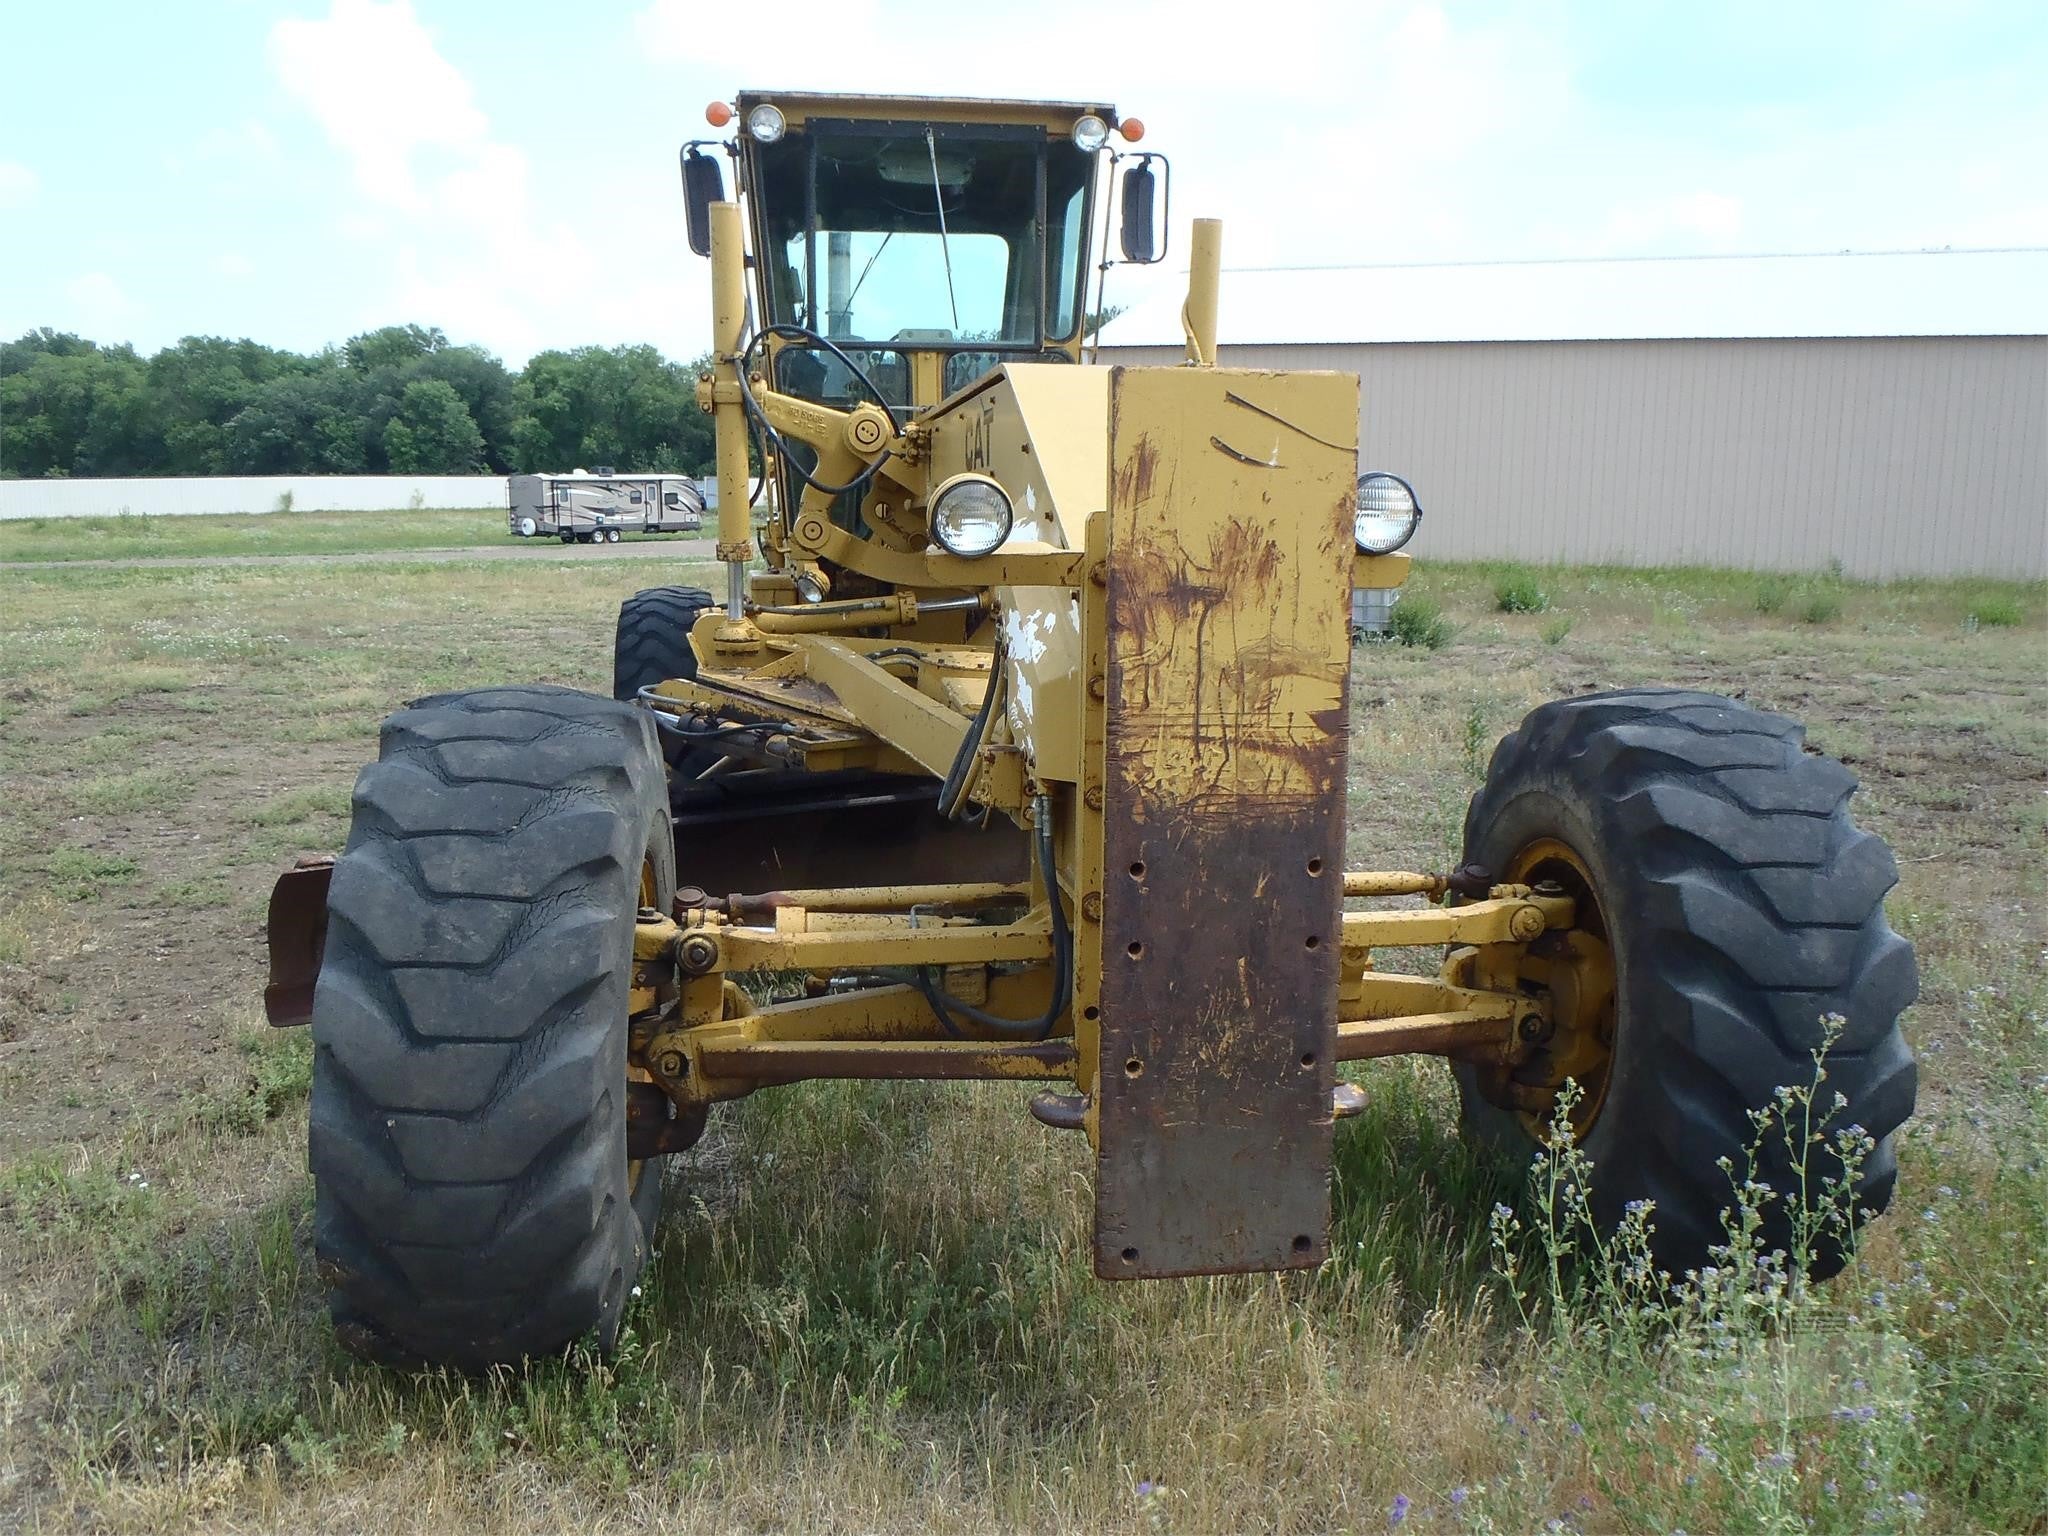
<point x="310" y="423"/>
<point x="66" y="410"/>
<point x="199" y="385"/>
<point x="486" y="388"/>
<point x="433" y="433"/>
<point x="626" y="406"/>
<point x="392" y="346"/>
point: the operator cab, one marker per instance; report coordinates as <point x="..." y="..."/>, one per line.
<point x="929" y="240"/>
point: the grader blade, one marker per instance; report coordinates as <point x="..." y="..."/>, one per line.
<point x="1223" y="757"/>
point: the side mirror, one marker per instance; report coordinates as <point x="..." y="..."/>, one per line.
<point x="703" y="185"/>
<point x="1143" y="229"/>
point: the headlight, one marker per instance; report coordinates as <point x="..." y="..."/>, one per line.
<point x="971" y="515"/>
<point x="1388" y="513"/>
<point x="1090" y="133"/>
<point x="766" y="123"/>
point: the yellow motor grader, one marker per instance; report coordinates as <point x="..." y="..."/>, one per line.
<point x="1014" y="747"/>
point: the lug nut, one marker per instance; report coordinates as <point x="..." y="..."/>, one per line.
<point x="671" y="1064"/>
<point x="697" y="954"/>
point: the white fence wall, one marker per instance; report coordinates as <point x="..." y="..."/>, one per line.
<point x="255" y="493"/>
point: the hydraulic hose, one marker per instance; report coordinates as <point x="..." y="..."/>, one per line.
<point x="951" y="1010"/>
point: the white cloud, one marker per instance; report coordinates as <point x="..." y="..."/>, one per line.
<point x="444" y="210"/>
<point x="374" y="80"/>
<point x="18" y="184"/>
<point x="99" y="306"/>
<point x="1686" y="222"/>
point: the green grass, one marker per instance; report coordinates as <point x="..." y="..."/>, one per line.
<point x="82" y="874"/>
<point x="131" y="536"/>
<point x="873" y="1306"/>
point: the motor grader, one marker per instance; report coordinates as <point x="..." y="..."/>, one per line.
<point x="1014" y="747"/>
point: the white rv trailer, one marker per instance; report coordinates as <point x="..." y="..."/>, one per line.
<point x="600" y="508"/>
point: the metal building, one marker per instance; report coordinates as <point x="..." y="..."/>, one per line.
<point x="1887" y="412"/>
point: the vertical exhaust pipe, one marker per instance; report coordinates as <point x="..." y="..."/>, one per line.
<point x="728" y="416"/>
<point x="1205" y="272"/>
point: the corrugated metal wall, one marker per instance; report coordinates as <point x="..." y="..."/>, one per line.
<point x="179" y="497"/>
<point x="1909" y="456"/>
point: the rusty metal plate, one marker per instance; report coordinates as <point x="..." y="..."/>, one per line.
<point x="297" y="933"/>
<point x="1223" y="778"/>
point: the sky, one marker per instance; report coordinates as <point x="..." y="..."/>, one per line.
<point x="300" y="170"/>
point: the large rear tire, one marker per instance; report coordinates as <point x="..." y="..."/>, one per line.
<point x="1715" y="859"/>
<point x="473" y="1202"/>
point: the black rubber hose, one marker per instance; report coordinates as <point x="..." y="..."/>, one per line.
<point x="767" y="428"/>
<point x="956" y="774"/>
<point x="951" y="1010"/>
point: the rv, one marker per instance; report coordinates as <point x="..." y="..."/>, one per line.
<point x="600" y="508"/>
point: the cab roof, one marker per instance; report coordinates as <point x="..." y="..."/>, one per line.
<point x="1055" y="116"/>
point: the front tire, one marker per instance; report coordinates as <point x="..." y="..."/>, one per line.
<point x="1716" y="860"/>
<point x="473" y="1203"/>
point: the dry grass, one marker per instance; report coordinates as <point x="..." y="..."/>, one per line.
<point x="873" y="1309"/>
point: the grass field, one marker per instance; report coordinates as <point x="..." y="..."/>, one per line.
<point x="133" y="536"/>
<point x="872" y="1309"/>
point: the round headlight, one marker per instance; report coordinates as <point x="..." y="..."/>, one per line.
<point x="766" y="123"/>
<point x="1090" y="133"/>
<point x="971" y="515"/>
<point x="1388" y="513"/>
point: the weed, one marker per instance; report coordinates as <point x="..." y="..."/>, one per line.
<point x="1478" y="737"/>
<point x="1419" y="621"/>
<point x="1518" y="592"/>
<point x="1820" y="606"/>
<point x="1772" y="593"/>
<point x="1996" y="612"/>
<point x="279" y="1075"/>
<point x="1555" y="629"/>
<point x="284" y="502"/>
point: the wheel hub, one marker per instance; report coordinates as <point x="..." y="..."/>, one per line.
<point x="1575" y="967"/>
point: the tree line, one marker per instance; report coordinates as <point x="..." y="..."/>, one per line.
<point x="400" y="400"/>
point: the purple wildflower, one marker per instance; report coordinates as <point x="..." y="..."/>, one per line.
<point x="1399" y="1512"/>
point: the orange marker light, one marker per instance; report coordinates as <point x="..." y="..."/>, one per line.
<point x="1131" y="129"/>
<point x="718" y="114"/>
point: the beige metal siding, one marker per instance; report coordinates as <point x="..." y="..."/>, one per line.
<point x="1896" y="456"/>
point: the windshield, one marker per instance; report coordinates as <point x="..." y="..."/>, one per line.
<point x="900" y="232"/>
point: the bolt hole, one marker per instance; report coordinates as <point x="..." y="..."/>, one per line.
<point x="1135" y="948"/>
<point x="1303" y="1242"/>
<point x="1315" y="866"/>
<point x="1091" y="1012"/>
<point x="1313" y="942"/>
<point x="1137" y="869"/>
<point x="1130" y="1255"/>
<point x="1308" y="1058"/>
<point x="1134" y="1068"/>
